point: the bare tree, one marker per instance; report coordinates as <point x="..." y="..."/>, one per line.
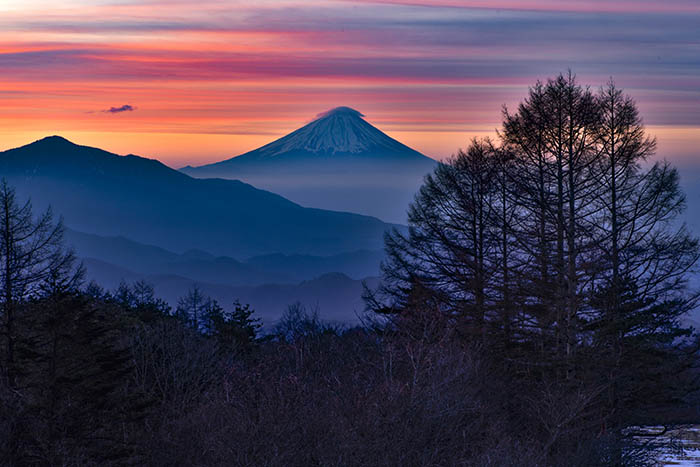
<point x="552" y="138"/>
<point x="504" y="212"/>
<point x="192" y="308"/>
<point x="31" y="253"/>
<point x="565" y="224"/>
<point x="643" y="256"/>
<point x="636" y="230"/>
<point x="449" y="249"/>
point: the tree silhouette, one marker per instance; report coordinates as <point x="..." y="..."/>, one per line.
<point x="31" y="252"/>
<point x="192" y="308"/>
<point x="562" y="249"/>
<point x="235" y="328"/>
<point x="449" y="248"/>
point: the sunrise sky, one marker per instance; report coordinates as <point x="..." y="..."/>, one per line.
<point x="191" y="82"/>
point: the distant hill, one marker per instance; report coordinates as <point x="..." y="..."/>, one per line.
<point x="102" y="193"/>
<point x="201" y="266"/>
<point x="147" y="259"/>
<point x="355" y="264"/>
<point x="337" y="297"/>
<point x="338" y="161"/>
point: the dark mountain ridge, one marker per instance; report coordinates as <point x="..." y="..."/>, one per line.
<point x="142" y="199"/>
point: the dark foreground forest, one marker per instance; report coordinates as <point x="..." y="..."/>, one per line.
<point x="531" y="315"/>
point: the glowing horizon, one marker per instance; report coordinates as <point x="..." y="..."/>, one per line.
<point x="195" y="82"/>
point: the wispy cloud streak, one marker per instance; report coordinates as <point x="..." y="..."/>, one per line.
<point x="120" y="109"/>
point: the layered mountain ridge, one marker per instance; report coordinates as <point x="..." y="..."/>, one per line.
<point x="106" y="194"/>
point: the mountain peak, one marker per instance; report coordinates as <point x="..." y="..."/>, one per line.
<point x="341" y="131"/>
<point x="54" y="153"/>
<point x="342" y="110"/>
<point x="340" y="135"/>
<point x="54" y="140"/>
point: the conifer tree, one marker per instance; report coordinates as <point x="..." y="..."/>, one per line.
<point x="74" y="382"/>
<point x="237" y="328"/>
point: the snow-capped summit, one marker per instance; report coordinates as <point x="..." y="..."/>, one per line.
<point x="337" y="161"/>
<point x="339" y="132"/>
<point x="340" y="110"/>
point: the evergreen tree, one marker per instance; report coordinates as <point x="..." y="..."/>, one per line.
<point x="237" y="328"/>
<point x="70" y="370"/>
<point x="75" y="367"/>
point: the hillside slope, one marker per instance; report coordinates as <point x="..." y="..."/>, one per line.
<point x="142" y="199"/>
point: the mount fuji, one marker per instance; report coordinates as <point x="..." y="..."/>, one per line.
<point x="338" y="161"/>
